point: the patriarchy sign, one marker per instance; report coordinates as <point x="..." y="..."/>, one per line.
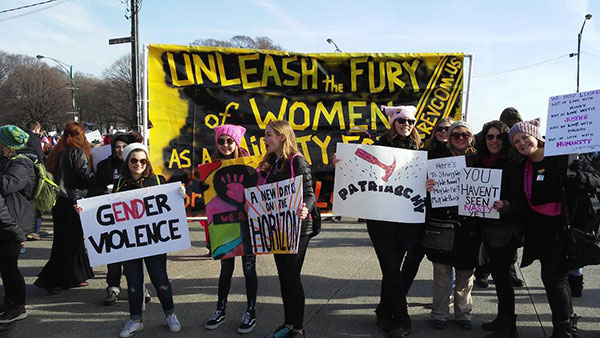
<point x="134" y="224"/>
<point x="573" y="124"/>
<point x="272" y="216"/>
<point x="479" y="189"/>
<point x="445" y="172"/>
<point x="380" y="183"/>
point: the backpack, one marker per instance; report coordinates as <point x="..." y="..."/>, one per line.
<point x="46" y="191"/>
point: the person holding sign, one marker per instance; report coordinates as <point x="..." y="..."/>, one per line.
<point x="282" y="161"/>
<point x="463" y="256"/>
<point x="546" y="205"/>
<point x="228" y="138"/>
<point x="503" y="236"/>
<point x="137" y="173"/>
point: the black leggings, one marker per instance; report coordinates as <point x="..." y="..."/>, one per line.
<point x="501" y="261"/>
<point x="289" y="268"/>
<point x="557" y="290"/>
<point x="249" y="267"/>
<point x="12" y="279"/>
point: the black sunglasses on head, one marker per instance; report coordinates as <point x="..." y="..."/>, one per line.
<point x="222" y="141"/>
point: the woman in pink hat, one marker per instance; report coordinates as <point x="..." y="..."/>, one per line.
<point x="228" y="138"/>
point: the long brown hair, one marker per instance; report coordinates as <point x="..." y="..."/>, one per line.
<point x="72" y="136"/>
<point x="290" y="145"/>
<point x="414" y="134"/>
<point x="432" y="142"/>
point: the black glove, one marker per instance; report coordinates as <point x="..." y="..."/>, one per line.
<point x="576" y="166"/>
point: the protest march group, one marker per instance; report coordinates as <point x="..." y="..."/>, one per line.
<point x="427" y="184"/>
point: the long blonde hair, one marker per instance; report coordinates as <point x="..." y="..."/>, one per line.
<point x="289" y="147"/>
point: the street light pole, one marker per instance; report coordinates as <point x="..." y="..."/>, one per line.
<point x="587" y="17"/>
<point x="337" y="49"/>
<point x="69" y="69"/>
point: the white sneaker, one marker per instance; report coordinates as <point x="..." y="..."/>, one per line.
<point x="131" y="327"/>
<point x="173" y="323"/>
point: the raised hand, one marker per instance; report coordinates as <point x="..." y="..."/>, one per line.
<point x="235" y="187"/>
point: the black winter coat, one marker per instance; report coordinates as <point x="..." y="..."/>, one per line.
<point x="125" y="184"/>
<point x="9" y="229"/>
<point x="74" y="175"/>
<point x="17" y="185"/>
<point x="282" y="171"/>
<point x="467" y="238"/>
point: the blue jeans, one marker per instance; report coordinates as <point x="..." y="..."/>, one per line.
<point x="157" y="270"/>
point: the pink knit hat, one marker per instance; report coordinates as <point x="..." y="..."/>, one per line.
<point x="529" y="127"/>
<point x="404" y="112"/>
<point x="233" y="131"/>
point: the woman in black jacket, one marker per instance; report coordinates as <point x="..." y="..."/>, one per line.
<point x="464" y="256"/>
<point x="71" y="164"/>
<point x="17" y="218"/>
<point x="501" y="237"/>
<point x="281" y="161"/>
<point x="542" y="205"/>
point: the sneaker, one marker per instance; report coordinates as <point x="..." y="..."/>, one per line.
<point x="399" y="332"/>
<point x="5" y="306"/>
<point x="173" y="323"/>
<point x="13" y="314"/>
<point x="131" y="327"/>
<point x="439" y="324"/>
<point x="248" y="322"/>
<point x="482" y="282"/>
<point x="465" y="324"/>
<point x="33" y="237"/>
<point x="281" y="332"/>
<point x="147" y="296"/>
<point x="216" y="319"/>
<point x="295" y="334"/>
<point x="112" y="294"/>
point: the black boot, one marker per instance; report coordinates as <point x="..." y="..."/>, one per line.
<point x="576" y="285"/>
<point x="505" y="328"/>
<point x="493" y="325"/>
<point x="562" y="329"/>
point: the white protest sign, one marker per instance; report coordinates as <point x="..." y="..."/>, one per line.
<point x="445" y="171"/>
<point x="94" y="136"/>
<point x="573" y="124"/>
<point x="272" y="218"/>
<point x="134" y="224"/>
<point x="380" y="183"/>
<point x="99" y="154"/>
<point x="479" y="189"/>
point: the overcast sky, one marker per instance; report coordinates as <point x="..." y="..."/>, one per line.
<point x="501" y="35"/>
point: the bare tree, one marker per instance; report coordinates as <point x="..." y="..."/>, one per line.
<point x="117" y="79"/>
<point x="240" y="41"/>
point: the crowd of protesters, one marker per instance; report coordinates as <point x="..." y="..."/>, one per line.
<point x="537" y="195"/>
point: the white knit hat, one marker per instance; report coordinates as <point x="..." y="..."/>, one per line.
<point x="134" y="146"/>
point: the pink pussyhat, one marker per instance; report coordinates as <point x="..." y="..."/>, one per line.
<point x="404" y="112"/>
<point x="233" y="131"/>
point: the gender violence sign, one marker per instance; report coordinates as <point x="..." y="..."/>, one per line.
<point x="573" y="122"/>
<point x="134" y="224"/>
<point x="380" y="183"/>
<point x="445" y="172"/>
<point x="479" y="189"/>
<point x="272" y="216"/>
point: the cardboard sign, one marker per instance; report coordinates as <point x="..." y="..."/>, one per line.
<point x="573" y="124"/>
<point x="134" y="224"/>
<point x="479" y="189"/>
<point x="445" y="171"/>
<point x="225" y="182"/>
<point x="99" y="154"/>
<point x="272" y="216"/>
<point x="380" y="183"/>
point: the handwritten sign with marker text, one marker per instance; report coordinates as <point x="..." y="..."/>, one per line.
<point x="573" y="124"/>
<point x="479" y="189"/>
<point x="134" y="224"/>
<point x="445" y="171"/>
<point x="272" y="216"/>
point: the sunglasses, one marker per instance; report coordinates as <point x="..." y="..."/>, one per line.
<point x="456" y="136"/>
<point x="441" y="129"/>
<point x="403" y="121"/>
<point x="222" y="141"/>
<point x="142" y="161"/>
<point x="490" y="137"/>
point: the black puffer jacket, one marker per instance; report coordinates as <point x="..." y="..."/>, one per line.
<point x="74" y="175"/>
<point x="282" y="171"/>
<point x="9" y="229"/>
<point x="17" y="185"/>
<point x="109" y="169"/>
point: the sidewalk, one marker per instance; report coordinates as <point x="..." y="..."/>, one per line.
<point x="341" y="281"/>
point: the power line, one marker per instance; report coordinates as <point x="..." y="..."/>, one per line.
<point x="521" y="68"/>
<point x="56" y="3"/>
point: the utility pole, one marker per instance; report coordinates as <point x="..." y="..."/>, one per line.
<point x="135" y="92"/>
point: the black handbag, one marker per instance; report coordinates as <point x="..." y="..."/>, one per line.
<point x="584" y="244"/>
<point x="439" y="234"/>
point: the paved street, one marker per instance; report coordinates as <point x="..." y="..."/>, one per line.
<point x="341" y="280"/>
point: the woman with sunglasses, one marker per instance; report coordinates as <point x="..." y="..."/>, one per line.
<point x="137" y="173"/>
<point x="391" y="239"/>
<point x="550" y="200"/>
<point x="228" y="138"/>
<point x="501" y="237"/>
<point x="436" y="143"/>
<point x="464" y="256"/>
